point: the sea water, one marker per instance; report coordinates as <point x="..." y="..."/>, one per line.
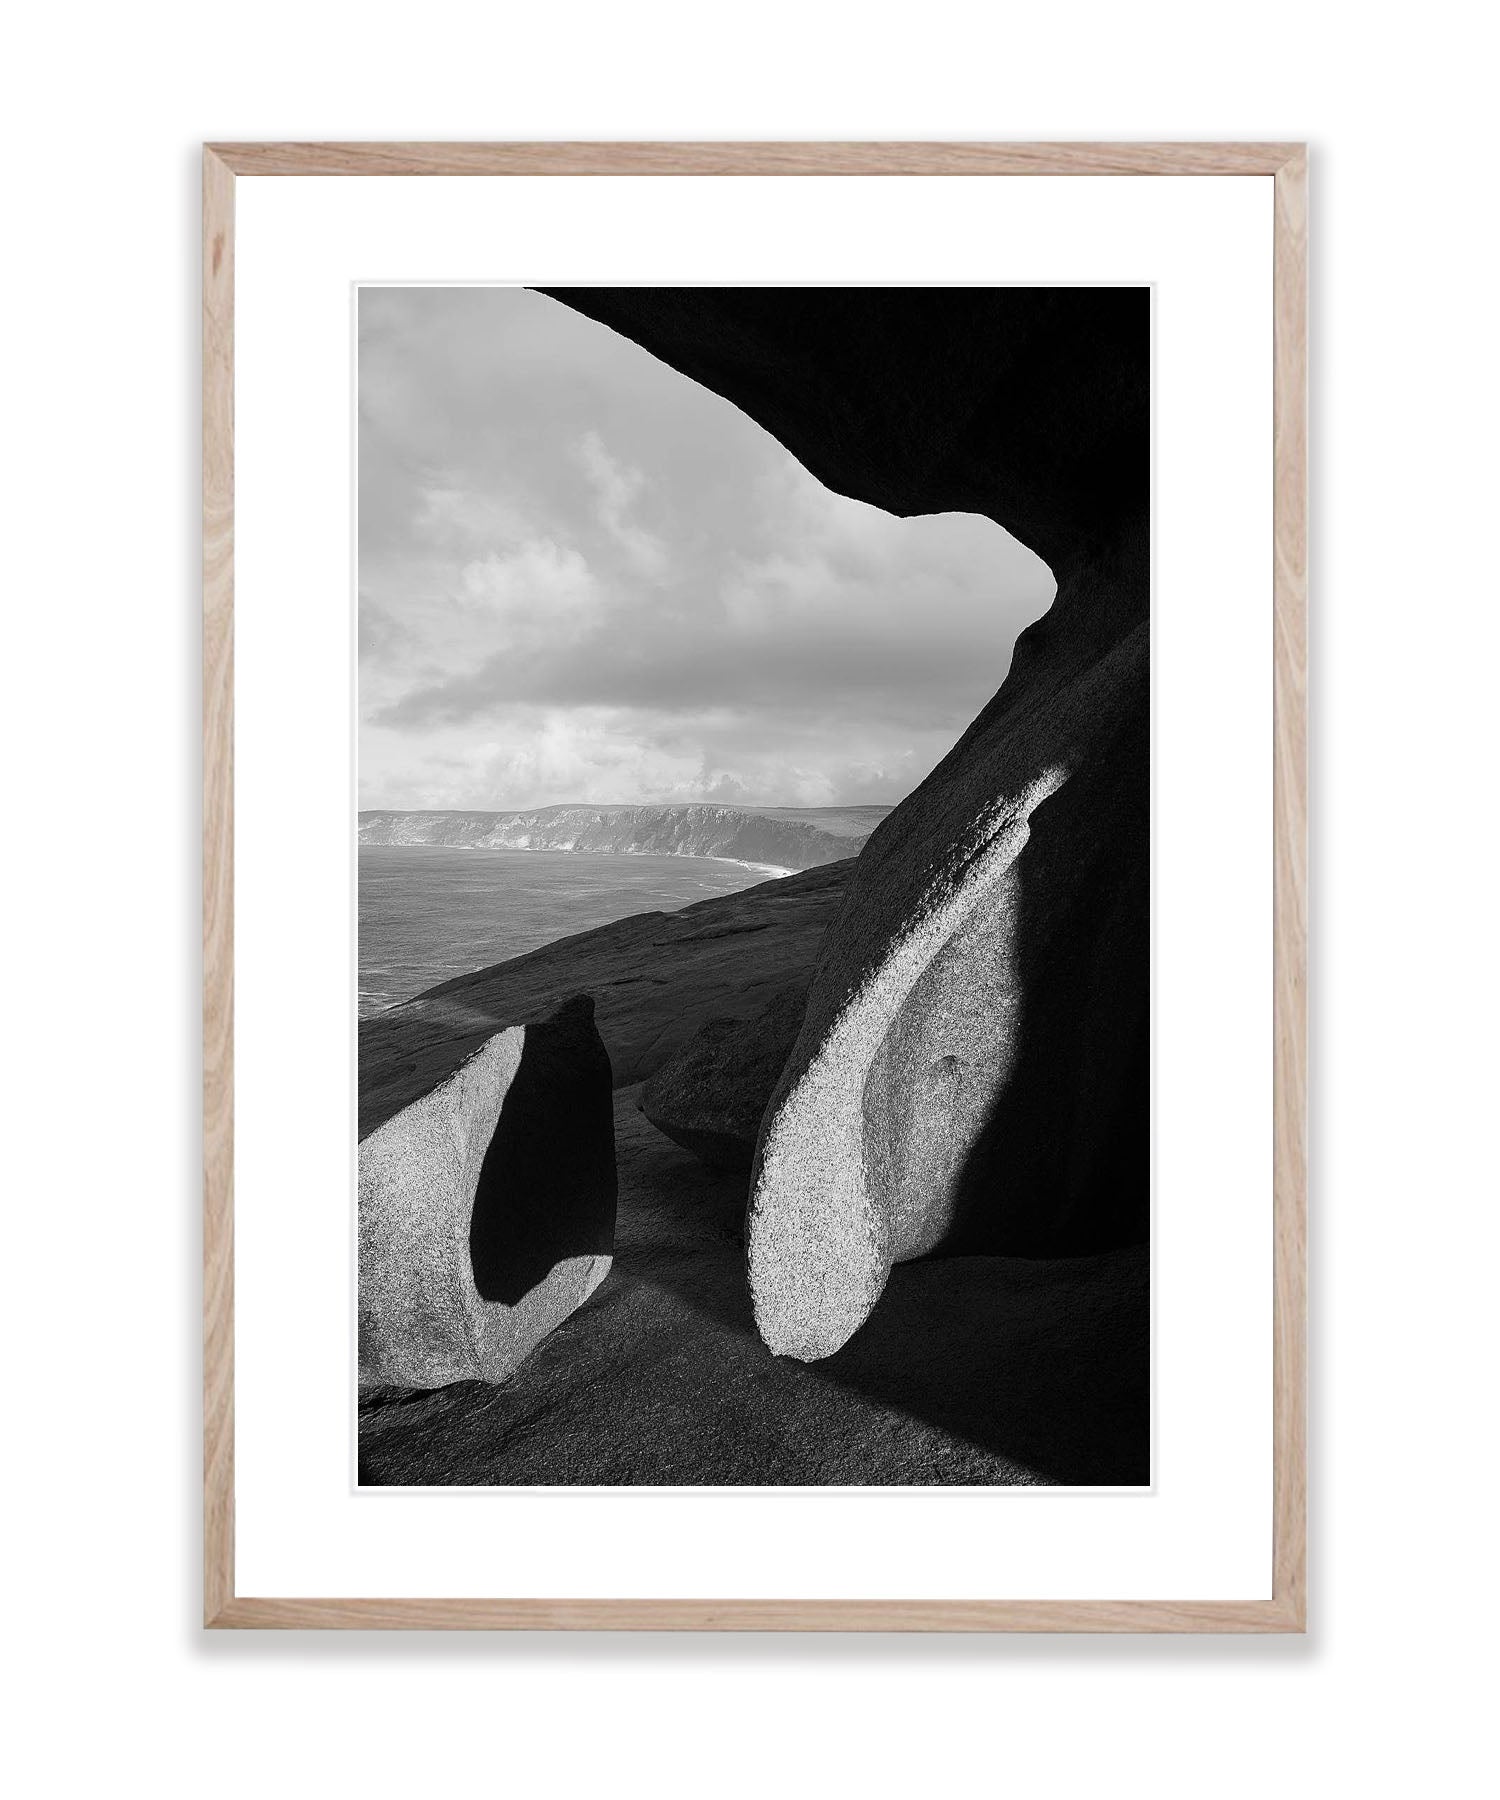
<point x="430" y="912"/>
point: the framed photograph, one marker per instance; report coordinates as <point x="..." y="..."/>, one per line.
<point x="755" y="886"/>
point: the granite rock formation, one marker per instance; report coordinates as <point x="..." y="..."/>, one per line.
<point x="487" y="1207"/>
<point x="712" y="1097"/>
<point x="973" y="1371"/>
<point x="972" y="1075"/>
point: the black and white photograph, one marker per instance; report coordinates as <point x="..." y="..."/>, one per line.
<point x="728" y="1072"/>
<point x="754" y="886"/>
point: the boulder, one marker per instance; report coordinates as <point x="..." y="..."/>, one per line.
<point x="712" y="1096"/>
<point x="487" y="1207"/>
<point x="977" y="1079"/>
<point x="972" y="1073"/>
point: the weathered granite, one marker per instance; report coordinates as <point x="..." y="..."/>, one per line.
<point x="487" y="1207"/>
<point x="974" y="1370"/>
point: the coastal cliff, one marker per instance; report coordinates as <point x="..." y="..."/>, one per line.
<point x="789" y="838"/>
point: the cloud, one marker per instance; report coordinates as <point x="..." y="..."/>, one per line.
<point x="618" y="488"/>
<point x="585" y="577"/>
<point x="541" y="755"/>
<point x="541" y="596"/>
<point x="453" y="518"/>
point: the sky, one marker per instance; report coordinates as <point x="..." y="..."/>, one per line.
<point x="584" y="577"/>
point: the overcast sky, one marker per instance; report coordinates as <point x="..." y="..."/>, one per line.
<point x="584" y="577"/>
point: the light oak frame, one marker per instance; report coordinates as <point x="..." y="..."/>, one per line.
<point x="1286" y="163"/>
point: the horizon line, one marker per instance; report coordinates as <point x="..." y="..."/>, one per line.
<point x="728" y="805"/>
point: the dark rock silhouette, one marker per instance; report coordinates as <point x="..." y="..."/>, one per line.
<point x="972" y="1071"/>
<point x="487" y="1207"/>
<point x="712" y="1096"/>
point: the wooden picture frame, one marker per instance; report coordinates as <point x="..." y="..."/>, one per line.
<point x="1286" y="163"/>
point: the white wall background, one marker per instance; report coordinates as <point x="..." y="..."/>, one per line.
<point x="104" y="109"/>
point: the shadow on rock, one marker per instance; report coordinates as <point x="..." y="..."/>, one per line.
<point x="1044" y="1363"/>
<point x="546" y="1189"/>
<point x="972" y="1371"/>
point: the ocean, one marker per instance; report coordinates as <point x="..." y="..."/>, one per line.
<point x="432" y="912"/>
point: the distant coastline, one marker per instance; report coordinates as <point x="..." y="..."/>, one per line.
<point x="761" y="868"/>
<point x="776" y="841"/>
<point x="377" y="843"/>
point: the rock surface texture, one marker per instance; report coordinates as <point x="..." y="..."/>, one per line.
<point x="712" y="1097"/>
<point x="487" y="1207"/>
<point x="972" y="1073"/>
<point x="974" y="1370"/>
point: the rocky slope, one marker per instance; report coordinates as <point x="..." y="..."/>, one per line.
<point x="772" y="837"/>
<point x="712" y="1096"/>
<point x="654" y="977"/>
<point x="975" y="1370"/>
